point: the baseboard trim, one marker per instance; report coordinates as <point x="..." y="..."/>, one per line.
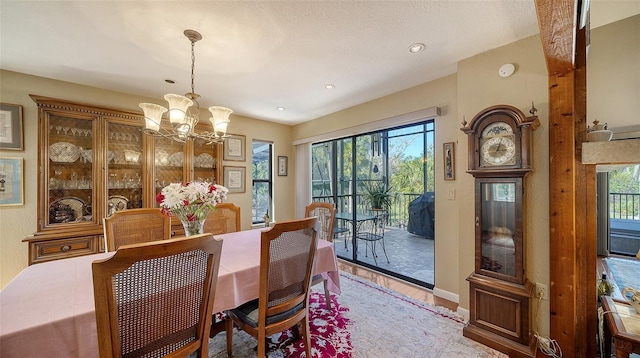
<point x="449" y="296"/>
<point x="464" y="313"/>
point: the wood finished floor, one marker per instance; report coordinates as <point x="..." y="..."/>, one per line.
<point x="406" y="288"/>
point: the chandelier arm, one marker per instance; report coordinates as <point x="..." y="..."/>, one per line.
<point x="187" y="111"/>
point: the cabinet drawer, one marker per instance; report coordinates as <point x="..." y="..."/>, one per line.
<point x="62" y="248"/>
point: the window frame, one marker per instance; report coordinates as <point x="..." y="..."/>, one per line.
<point x="258" y="218"/>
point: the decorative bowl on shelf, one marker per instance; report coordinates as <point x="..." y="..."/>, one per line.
<point x="205" y="160"/>
<point x="63" y="152"/>
<point x="131" y="156"/>
<point x="86" y="155"/>
<point x="176" y="159"/>
<point x="162" y="157"/>
<point x="598" y="132"/>
<point x="111" y="156"/>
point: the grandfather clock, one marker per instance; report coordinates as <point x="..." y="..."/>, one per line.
<point x="500" y="139"/>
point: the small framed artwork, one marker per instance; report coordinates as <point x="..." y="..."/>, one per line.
<point x="449" y="161"/>
<point x="11" y="129"/>
<point x="283" y="165"/>
<point x="11" y="181"/>
<point x="234" y="178"/>
<point x="234" y="148"/>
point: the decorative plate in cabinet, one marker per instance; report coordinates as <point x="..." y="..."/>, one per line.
<point x="65" y="210"/>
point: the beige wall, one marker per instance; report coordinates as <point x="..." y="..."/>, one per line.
<point x="480" y="86"/>
<point x="18" y="222"/>
<point x="475" y="87"/>
<point x="613" y="75"/>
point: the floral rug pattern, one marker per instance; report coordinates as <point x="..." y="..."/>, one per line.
<point x="367" y="320"/>
<point x="330" y="335"/>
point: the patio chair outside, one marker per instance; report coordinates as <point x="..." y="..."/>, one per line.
<point x="372" y="233"/>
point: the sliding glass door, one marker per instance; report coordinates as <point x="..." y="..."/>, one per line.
<point x="395" y="236"/>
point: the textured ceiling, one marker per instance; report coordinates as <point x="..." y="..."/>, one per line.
<point x="256" y="56"/>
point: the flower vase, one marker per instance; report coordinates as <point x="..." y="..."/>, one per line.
<point x="193" y="227"/>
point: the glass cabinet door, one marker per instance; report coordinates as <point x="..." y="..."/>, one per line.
<point x="69" y="170"/>
<point x="169" y="159"/>
<point x="205" y="161"/>
<point x="124" y="167"/>
<point x="500" y="221"/>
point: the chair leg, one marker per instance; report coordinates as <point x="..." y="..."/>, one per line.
<point x="327" y="295"/>
<point x="307" y="336"/>
<point x="229" y="332"/>
<point x="262" y="344"/>
<point x="384" y="250"/>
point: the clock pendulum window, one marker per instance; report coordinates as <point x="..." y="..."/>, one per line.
<point x="499" y="147"/>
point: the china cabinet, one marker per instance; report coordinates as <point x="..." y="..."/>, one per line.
<point x="499" y="142"/>
<point x="94" y="161"/>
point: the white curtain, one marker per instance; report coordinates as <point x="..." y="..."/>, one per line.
<point x="303" y="178"/>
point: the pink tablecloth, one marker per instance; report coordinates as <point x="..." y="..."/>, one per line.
<point x="48" y="310"/>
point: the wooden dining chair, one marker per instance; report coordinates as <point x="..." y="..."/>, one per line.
<point x="326" y="213"/>
<point x="133" y="226"/>
<point x="155" y="299"/>
<point x="287" y="251"/>
<point x="223" y="219"/>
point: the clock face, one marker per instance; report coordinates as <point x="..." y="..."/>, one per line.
<point x="497" y="145"/>
<point x="498" y="151"/>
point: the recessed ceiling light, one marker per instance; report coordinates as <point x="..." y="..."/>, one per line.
<point x="281" y="108"/>
<point x="415" y="48"/>
<point x="329" y="86"/>
<point x="170" y="81"/>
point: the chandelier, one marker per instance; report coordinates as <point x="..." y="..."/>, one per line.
<point x="184" y="112"/>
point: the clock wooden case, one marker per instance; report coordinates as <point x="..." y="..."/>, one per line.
<point x="499" y="144"/>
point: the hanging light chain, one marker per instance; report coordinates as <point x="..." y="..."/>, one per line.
<point x="193" y="66"/>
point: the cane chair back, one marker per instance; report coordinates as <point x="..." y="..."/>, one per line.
<point x="287" y="251"/>
<point x="223" y="219"/>
<point x="155" y="299"/>
<point x="132" y="226"/>
<point x="326" y="213"/>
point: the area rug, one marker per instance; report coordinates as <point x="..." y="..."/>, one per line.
<point x="330" y="336"/>
<point x="370" y="321"/>
<point x="625" y="272"/>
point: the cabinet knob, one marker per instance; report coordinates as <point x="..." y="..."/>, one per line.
<point x="65" y="248"/>
<point x="477" y="221"/>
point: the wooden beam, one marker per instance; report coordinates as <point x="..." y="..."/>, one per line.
<point x="562" y="198"/>
<point x="572" y="243"/>
<point x="556" y="19"/>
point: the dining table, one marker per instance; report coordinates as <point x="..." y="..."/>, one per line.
<point x="48" y="308"/>
<point x="347" y="217"/>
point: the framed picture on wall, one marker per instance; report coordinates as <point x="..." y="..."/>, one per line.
<point x="11" y="127"/>
<point x="449" y="161"/>
<point x="283" y="166"/>
<point x="11" y="181"/>
<point x="234" y="148"/>
<point x="234" y="178"/>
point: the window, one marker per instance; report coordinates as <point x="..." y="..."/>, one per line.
<point x="262" y="180"/>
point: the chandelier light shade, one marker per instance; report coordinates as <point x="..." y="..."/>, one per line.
<point x="184" y="112"/>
